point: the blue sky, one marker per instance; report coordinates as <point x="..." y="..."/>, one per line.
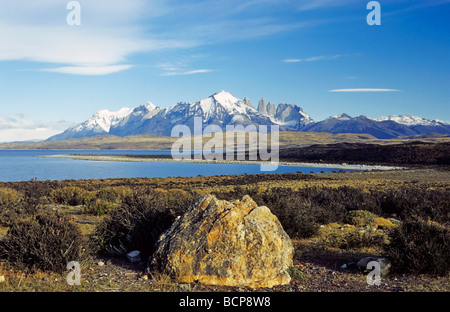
<point x="128" y="52"/>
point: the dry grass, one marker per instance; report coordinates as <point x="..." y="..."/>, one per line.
<point x="152" y="142"/>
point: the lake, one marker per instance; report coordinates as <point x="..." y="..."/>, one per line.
<point x="24" y="165"/>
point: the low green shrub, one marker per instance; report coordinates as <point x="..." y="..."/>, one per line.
<point x="35" y="195"/>
<point x="296" y="273"/>
<point x="113" y="194"/>
<point x="47" y="241"/>
<point x="71" y="195"/>
<point x="8" y="197"/>
<point x="418" y="246"/>
<point x="9" y="205"/>
<point x="350" y="237"/>
<point x="360" y="218"/>
<point x="99" y="207"/>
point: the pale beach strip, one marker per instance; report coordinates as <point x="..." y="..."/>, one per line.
<point x="121" y="158"/>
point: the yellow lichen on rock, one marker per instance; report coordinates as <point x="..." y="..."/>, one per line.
<point x="217" y="242"/>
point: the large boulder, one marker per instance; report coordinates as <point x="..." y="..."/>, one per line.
<point x="217" y="242"/>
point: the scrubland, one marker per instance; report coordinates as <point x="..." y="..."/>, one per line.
<point x="333" y="219"/>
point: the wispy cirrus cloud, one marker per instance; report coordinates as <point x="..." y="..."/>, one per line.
<point x="308" y="5"/>
<point x="313" y="58"/>
<point x="185" y="73"/>
<point x="182" y="67"/>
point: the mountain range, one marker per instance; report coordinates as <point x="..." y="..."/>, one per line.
<point x="224" y="109"/>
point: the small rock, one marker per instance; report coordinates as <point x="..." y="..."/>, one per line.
<point x="145" y="277"/>
<point x="100" y="263"/>
<point x="385" y="264"/>
<point x="2" y="279"/>
<point x="134" y="256"/>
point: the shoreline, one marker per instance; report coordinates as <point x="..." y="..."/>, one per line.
<point x="121" y="158"/>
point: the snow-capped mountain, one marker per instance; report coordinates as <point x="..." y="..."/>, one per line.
<point x="100" y="123"/>
<point x="131" y="123"/>
<point x="381" y="128"/>
<point x="220" y="109"/>
<point x="289" y="116"/>
<point x="419" y="124"/>
<point x="224" y="109"/>
<point x="408" y="120"/>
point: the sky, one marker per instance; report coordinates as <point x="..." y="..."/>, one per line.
<point x="61" y="61"/>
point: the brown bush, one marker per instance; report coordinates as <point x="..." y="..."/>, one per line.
<point x="71" y="195"/>
<point x="9" y="202"/>
<point x="407" y="201"/>
<point x="418" y="246"/>
<point x="138" y="221"/>
<point x="48" y="241"/>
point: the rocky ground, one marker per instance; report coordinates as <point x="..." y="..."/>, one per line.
<point x="317" y="275"/>
<point x="318" y="271"/>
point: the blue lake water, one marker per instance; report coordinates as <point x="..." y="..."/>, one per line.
<point x="24" y="165"/>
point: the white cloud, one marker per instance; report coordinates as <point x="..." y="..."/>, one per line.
<point x="364" y="90"/>
<point x="13" y="129"/>
<point x="14" y="135"/>
<point x="109" y="34"/>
